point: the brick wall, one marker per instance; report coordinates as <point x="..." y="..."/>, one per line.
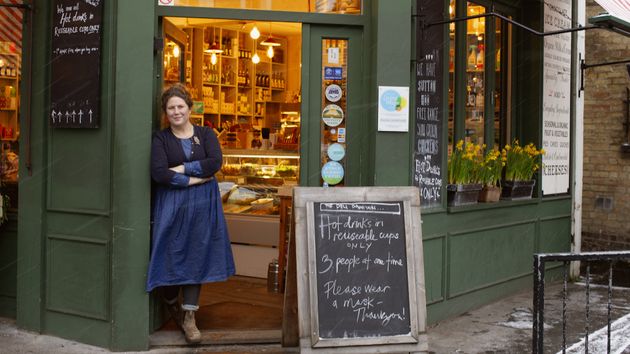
<point x="606" y="195"/>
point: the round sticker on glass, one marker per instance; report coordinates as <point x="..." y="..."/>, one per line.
<point x="332" y="115"/>
<point x="333" y="93"/>
<point x="332" y="172"/>
<point x="336" y="152"/>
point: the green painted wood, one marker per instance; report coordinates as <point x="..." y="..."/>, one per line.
<point x="488" y="250"/>
<point x="31" y="186"/>
<point x="355" y="111"/>
<point x="392" y="47"/>
<point x="434" y="257"/>
<point x="80" y="329"/>
<point x="80" y="166"/>
<point x="8" y="267"/>
<point x="134" y="113"/>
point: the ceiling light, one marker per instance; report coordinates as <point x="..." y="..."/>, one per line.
<point x="254" y="33"/>
<point x="270" y="52"/>
<point x="270" y="42"/>
<point x="255" y="58"/>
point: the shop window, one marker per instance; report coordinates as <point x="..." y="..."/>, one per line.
<point x="350" y="7"/>
<point x="479" y="78"/>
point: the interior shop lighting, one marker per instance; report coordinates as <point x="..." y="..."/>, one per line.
<point x="254" y="33"/>
<point x="176" y="51"/>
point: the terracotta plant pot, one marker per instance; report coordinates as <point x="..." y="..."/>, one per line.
<point x="490" y="194"/>
<point x="517" y="190"/>
<point x="462" y="194"/>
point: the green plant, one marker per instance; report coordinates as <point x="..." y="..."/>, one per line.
<point x="521" y="162"/>
<point x="490" y="168"/>
<point x="463" y="164"/>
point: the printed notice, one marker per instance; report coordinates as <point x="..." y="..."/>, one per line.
<point x="556" y="130"/>
<point x="393" y="109"/>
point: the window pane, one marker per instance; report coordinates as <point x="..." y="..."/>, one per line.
<point x="352" y="7"/>
<point x="451" y="78"/>
<point x="475" y="84"/>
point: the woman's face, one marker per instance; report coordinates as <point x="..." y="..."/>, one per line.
<point x="177" y="111"/>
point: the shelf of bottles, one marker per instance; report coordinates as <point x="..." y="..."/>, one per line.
<point x="235" y="89"/>
<point x="476" y="74"/>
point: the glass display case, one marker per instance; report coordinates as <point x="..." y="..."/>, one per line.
<point x="250" y="178"/>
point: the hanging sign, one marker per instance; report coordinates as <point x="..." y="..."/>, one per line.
<point x="75" y="64"/>
<point x="360" y="250"/>
<point x="393" y="108"/>
<point x="332" y="115"/>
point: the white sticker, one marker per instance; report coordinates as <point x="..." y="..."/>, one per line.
<point x="333" y="55"/>
<point x="333" y="93"/>
<point x="332" y="115"/>
<point x="336" y="152"/>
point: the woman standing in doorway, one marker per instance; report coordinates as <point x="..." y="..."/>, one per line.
<point x="190" y="244"/>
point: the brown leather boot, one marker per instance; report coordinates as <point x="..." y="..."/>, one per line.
<point x="189" y="326"/>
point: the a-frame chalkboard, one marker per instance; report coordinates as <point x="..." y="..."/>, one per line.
<point x="360" y="270"/>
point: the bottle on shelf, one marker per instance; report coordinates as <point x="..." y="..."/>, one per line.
<point x="472" y="58"/>
<point x="480" y="57"/>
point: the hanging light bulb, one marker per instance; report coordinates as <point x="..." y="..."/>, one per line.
<point x="176" y="51"/>
<point x="255" y="58"/>
<point x="270" y="52"/>
<point x="254" y="33"/>
<point x="213" y="58"/>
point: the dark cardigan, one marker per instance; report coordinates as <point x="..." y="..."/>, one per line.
<point x="167" y="152"/>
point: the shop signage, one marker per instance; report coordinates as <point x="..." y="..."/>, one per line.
<point x="333" y="55"/>
<point x="362" y="251"/>
<point x="556" y="129"/>
<point x="333" y="73"/>
<point x="75" y="64"/>
<point x="393" y="109"/>
<point x="333" y="93"/>
<point x="332" y="115"/>
<point x="429" y="105"/>
<point x="336" y="152"/>
<point x="332" y="173"/>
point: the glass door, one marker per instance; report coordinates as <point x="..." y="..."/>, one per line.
<point x="334" y="113"/>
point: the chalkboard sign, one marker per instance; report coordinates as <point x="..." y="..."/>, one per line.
<point x="75" y="63"/>
<point x="427" y="158"/>
<point x="362" y="250"/>
<point x="361" y="262"/>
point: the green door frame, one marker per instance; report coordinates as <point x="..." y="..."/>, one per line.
<point x="356" y="112"/>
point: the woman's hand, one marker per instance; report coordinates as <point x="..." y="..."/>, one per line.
<point x="178" y="169"/>
<point x="196" y="180"/>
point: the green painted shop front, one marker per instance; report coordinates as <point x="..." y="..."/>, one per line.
<point x="74" y="258"/>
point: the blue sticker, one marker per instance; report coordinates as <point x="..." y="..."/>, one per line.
<point x="332" y="172"/>
<point x="333" y="73"/>
<point x="336" y="152"/>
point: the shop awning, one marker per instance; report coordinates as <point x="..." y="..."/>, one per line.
<point x="616" y="18"/>
<point x="11" y="24"/>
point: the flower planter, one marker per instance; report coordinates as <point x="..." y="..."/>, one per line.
<point x="517" y="190"/>
<point x="490" y="194"/>
<point x="462" y="194"/>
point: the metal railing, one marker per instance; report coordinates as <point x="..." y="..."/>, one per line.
<point x="539" y="291"/>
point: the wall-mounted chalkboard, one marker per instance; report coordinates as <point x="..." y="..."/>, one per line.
<point x="362" y="251"/>
<point x="427" y="157"/>
<point x="75" y="63"/>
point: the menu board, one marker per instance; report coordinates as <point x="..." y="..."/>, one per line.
<point x="360" y="284"/>
<point x="361" y="261"/>
<point x="75" y="63"/>
<point x="429" y="114"/>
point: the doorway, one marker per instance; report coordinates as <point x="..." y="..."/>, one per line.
<point x="265" y="89"/>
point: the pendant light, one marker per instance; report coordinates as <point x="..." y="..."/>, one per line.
<point x="214" y="49"/>
<point x="254" y="33"/>
<point x="270" y="42"/>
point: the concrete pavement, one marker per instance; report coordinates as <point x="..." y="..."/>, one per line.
<point x="501" y="327"/>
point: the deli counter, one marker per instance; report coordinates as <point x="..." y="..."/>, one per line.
<point x="249" y="182"/>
